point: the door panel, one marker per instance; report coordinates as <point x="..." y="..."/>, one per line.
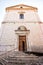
<point x="22" y="43"/>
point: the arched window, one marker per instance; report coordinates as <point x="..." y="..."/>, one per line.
<point x="21" y="16"/>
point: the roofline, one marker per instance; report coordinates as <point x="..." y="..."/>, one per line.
<point x="9" y="8"/>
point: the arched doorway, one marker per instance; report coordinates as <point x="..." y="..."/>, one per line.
<point x="22" y="39"/>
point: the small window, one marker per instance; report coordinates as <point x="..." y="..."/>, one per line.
<point x="21" y="16"/>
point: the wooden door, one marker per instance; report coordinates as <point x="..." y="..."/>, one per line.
<point x="22" y="43"/>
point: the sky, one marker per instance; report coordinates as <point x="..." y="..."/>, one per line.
<point x="8" y="3"/>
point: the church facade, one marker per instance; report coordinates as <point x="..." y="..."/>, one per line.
<point x="20" y="29"/>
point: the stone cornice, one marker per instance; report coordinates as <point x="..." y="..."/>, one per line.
<point x="23" y="22"/>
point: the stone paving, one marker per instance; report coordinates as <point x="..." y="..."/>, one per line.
<point x="20" y="58"/>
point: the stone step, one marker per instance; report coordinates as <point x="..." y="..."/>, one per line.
<point x="14" y="58"/>
<point x="21" y="58"/>
<point x="24" y="62"/>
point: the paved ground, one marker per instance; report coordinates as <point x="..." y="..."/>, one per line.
<point x="20" y="58"/>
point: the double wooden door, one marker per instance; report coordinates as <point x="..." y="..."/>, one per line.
<point x="22" y="43"/>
